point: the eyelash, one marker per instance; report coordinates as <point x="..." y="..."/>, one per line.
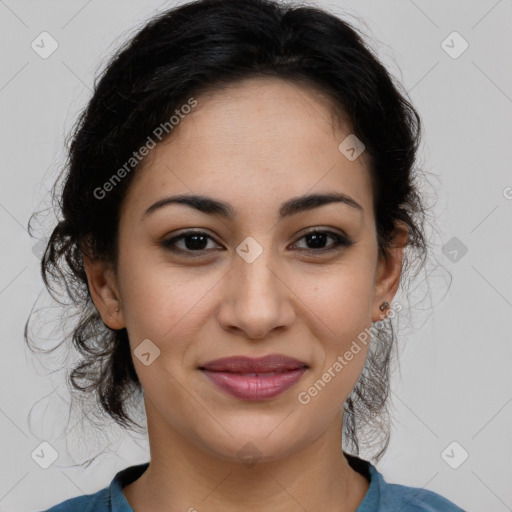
<point x="340" y="242"/>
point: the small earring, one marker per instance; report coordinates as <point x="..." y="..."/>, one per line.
<point x="384" y="305"/>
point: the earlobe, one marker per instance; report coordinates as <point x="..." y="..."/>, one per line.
<point x="389" y="269"/>
<point x="104" y="291"/>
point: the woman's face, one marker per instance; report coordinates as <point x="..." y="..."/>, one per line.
<point x="254" y="147"/>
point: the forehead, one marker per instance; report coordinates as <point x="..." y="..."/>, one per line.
<point x="260" y="138"/>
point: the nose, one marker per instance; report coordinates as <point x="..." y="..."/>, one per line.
<point x="257" y="298"/>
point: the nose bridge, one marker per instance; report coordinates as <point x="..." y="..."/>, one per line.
<point x="252" y="269"/>
<point x="258" y="297"/>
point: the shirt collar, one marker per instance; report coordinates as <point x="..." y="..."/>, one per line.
<point x="128" y="475"/>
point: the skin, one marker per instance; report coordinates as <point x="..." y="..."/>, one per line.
<point x="253" y="145"/>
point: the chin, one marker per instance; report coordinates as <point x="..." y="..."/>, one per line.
<point x="252" y="443"/>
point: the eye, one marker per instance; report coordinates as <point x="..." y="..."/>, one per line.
<point x="197" y="242"/>
<point x="194" y="241"/>
<point x="317" y="238"/>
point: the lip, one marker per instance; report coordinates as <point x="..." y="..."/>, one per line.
<point x="243" y="364"/>
<point x="254" y="378"/>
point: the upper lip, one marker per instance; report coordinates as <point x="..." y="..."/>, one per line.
<point x="265" y="364"/>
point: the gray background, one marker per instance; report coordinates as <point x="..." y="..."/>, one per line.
<point x="454" y="380"/>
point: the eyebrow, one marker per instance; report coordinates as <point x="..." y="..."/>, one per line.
<point x="291" y="207"/>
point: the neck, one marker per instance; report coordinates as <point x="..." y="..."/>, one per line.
<point x="185" y="476"/>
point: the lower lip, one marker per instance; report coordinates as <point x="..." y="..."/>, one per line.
<point x="260" y="387"/>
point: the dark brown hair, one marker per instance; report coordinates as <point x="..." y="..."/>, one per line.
<point x="179" y="54"/>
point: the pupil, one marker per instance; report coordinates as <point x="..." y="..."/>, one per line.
<point x="195" y="245"/>
<point x="317" y="239"/>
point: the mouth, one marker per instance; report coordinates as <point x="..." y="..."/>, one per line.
<point x="254" y="378"/>
<point x="261" y="365"/>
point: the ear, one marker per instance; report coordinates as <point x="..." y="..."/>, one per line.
<point x="104" y="291"/>
<point x="389" y="268"/>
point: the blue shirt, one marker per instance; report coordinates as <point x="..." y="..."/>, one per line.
<point x="380" y="496"/>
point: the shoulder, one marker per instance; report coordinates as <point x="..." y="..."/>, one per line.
<point x="97" y="502"/>
<point x="386" y="497"/>
<point x="410" y="499"/>
<point x="109" y="499"/>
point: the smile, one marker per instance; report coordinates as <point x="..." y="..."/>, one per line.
<point x="254" y="386"/>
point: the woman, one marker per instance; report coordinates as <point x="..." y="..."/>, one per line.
<point x="239" y="211"/>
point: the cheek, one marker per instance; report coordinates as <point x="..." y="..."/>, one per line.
<point x="163" y="303"/>
<point x="339" y="309"/>
<point x="341" y="298"/>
